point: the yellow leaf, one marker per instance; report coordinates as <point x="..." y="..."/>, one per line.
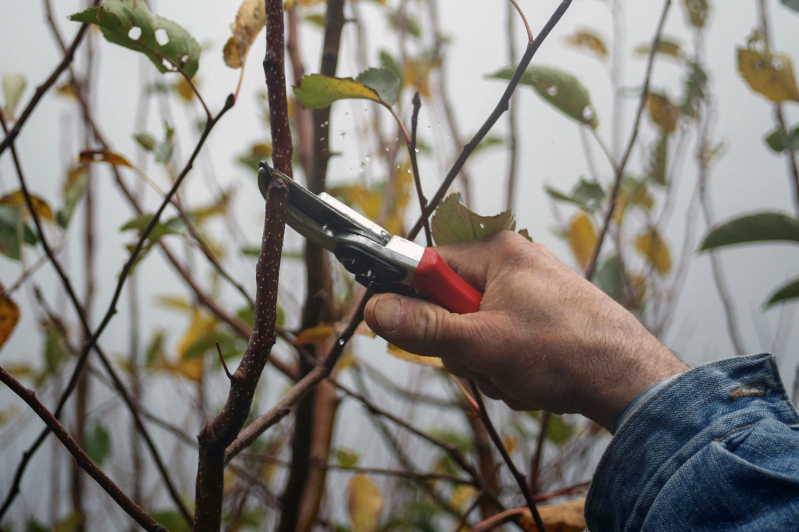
<point x="509" y="442"/>
<point x="183" y="88"/>
<point x="655" y="250"/>
<point x="416" y="75"/>
<point x="766" y="72"/>
<point x="396" y="352"/>
<point x="582" y="237"/>
<point x="68" y="89"/>
<point x="103" y="156"/>
<point x="318" y="91"/>
<point x="588" y="40"/>
<point x="9" y="316"/>
<point x="174" y="302"/>
<point x="20" y="370"/>
<point x="461" y="496"/>
<point x="663" y="112"/>
<point x="314" y="335"/>
<point x="249" y="21"/>
<point x="201" y="324"/>
<point x="75" y="173"/>
<point x="365" y="503"/>
<point x="17" y="199"/>
<point x="563" y="517"/>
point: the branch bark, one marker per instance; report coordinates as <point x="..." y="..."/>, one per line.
<point x="220" y="432"/>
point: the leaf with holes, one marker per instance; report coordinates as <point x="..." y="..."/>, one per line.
<point x="9" y="316"/>
<point x="129" y="23"/>
<point x="318" y="91"/>
<point x="103" y="156"/>
<point x="384" y="82"/>
<point x="789" y="290"/>
<point x="250" y="20"/>
<point x="769" y="73"/>
<point x="365" y="503"/>
<point x="667" y="47"/>
<point x="582" y="238"/>
<point x="13" y="86"/>
<point x="655" y="250"/>
<point x="454" y="222"/>
<point x="588" y="40"/>
<point x="559" y="88"/>
<point x="758" y="227"/>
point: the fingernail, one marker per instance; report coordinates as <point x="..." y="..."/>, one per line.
<point x="388" y="312"/>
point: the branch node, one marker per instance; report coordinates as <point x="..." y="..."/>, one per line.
<point x="224" y="365"/>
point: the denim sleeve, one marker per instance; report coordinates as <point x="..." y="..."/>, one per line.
<point x="716" y="449"/>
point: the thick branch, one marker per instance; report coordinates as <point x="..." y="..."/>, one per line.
<point x="501" y="107"/>
<point x="130" y="507"/>
<point x="220" y="432"/>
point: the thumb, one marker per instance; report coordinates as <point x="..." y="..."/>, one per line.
<point x="414" y="325"/>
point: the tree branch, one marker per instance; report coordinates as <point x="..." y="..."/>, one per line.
<point x="417" y="104"/>
<point x="501" y="107"/>
<point x="130" y="507"/>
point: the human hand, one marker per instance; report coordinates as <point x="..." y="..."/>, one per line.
<point x="544" y="338"/>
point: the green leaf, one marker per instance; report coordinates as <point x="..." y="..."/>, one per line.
<point x="758" y="227"/>
<point x="35" y="526"/>
<point x="11" y="236"/>
<point x="587" y="195"/>
<point x="145" y="140"/>
<point x="70" y="523"/>
<point x="317" y="19"/>
<point x="453" y="222"/>
<point x="789" y="290"/>
<point x="387" y="61"/>
<point x="610" y="278"/>
<point x="55" y="351"/>
<point x="383" y="81"/>
<point x="347" y="457"/>
<point x="490" y="141"/>
<point x="658" y="159"/>
<point x="318" y="91"/>
<point x="97" y="444"/>
<point x="559" y="88"/>
<point x="155" y="349"/>
<point x="559" y="430"/>
<point x="694" y="87"/>
<point x="791" y="4"/>
<point x="171" y="520"/>
<point x="73" y="192"/>
<point x="779" y="140"/>
<point x="167" y="44"/>
<point x="13" y="86"/>
<point x="173" y="226"/>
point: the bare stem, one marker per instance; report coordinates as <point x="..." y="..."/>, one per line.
<point x="417" y="180"/>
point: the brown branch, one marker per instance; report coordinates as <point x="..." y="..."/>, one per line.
<point x="220" y="432"/>
<point x="44" y="87"/>
<point x="535" y="460"/>
<point x="517" y="476"/>
<point x="417" y="104"/>
<point x="130" y="507"/>
<point x="458" y="527"/>
<point x="500" y="108"/>
<point x="590" y="268"/>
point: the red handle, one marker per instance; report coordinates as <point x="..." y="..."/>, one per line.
<point x="437" y="281"/>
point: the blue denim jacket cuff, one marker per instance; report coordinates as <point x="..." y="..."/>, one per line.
<point x="700" y="406"/>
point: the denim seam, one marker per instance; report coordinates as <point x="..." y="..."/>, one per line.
<point x="733" y="431"/>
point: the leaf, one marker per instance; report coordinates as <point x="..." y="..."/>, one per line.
<point x="562" y="517"/>
<point x="97" y="444"/>
<point x="318" y="91"/>
<point x="258" y="152"/>
<point x="200" y="325"/>
<point x="697" y="11"/>
<point x="103" y="156"/>
<point x="655" y="250"/>
<point x="250" y="20"/>
<point x="453" y="222"/>
<point x="365" y="503"/>
<point x="582" y="238"/>
<point x="462" y="495"/>
<point x="35" y="526"/>
<point x="588" y="195"/>
<point x="314" y="335"/>
<point x="167" y="44"/>
<point x="559" y="88"/>
<point x="587" y="40"/>
<point x="17" y="199"/>
<point x="384" y="82"/>
<point x="155" y="349"/>
<point x="766" y="72"/>
<point x="789" y="290"/>
<point x="75" y="185"/>
<point x="9" y="316"/>
<point x="387" y="61"/>
<point x="695" y="84"/>
<point x="658" y="160"/>
<point x="396" y="352"/>
<point x="757" y="227"/>
<point x="173" y="226"/>
<point x="317" y="19"/>
<point x="179" y="303"/>
<point x="665" y="47"/>
<point x="13" y="86"/>
<point x="171" y="520"/>
<point x="70" y="523"/>
<point x="347" y="457"/>
<point x="145" y="140"/>
<point x="610" y="278"/>
<point x="11" y="232"/>
<point x="780" y="140"/>
<point x="55" y="350"/>
<point x="662" y="112"/>
<point x="560" y="430"/>
<point x="791" y="4"/>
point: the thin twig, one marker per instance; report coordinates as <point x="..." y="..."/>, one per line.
<point x="535" y="460"/>
<point x="417" y="180"/>
<point x="468" y="512"/>
<point x="130" y="507"/>
<point x="517" y="475"/>
<point x="530" y="37"/>
<point x="501" y="107"/>
<point x="222" y="360"/>
<point x="590" y="268"/>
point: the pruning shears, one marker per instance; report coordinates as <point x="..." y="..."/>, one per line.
<point x="381" y="262"/>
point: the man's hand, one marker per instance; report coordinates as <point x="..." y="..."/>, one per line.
<point x="544" y="338"/>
